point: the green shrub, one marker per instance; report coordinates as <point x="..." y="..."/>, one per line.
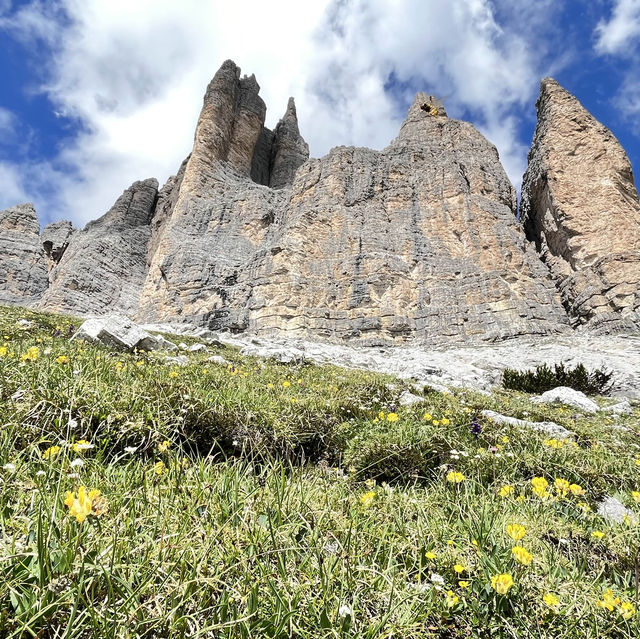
<point x="544" y="378"/>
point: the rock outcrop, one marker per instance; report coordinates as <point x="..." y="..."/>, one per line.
<point x="55" y="239"/>
<point x="580" y="206"/>
<point x="104" y="266"/>
<point x="419" y="240"/>
<point x="23" y="271"/>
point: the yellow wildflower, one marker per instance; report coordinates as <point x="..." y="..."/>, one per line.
<point x="553" y="443"/>
<point x="173" y="374"/>
<point x="540" y="485"/>
<point x="505" y="440"/>
<point x="464" y="584"/>
<point x="627" y="610"/>
<point x="81" y="445"/>
<point x="62" y="359"/>
<point x="551" y="600"/>
<point x="502" y="583"/>
<point x="392" y="417"/>
<point x="636" y="495"/>
<point x="459" y="568"/>
<point x="584" y="506"/>
<point x="637" y="461"/>
<point x="427" y="416"/>
<point x="455" y="477"/>
<point x="436" y="422"/>
<point x="269" y="385"/>
<point x="561" y="486"/>
<point x="576" y="490"/>
<point x="159" y="468"/>
<point x="430" y="555"/>
<point x="81" y="504"/>
<point x="451" y="599"/>
<point x="3" y="351"/>
<point x="164" y="446"/>
<point x="516" y="531"/>
<point x="31" y="355"/>
<point x="598" y="534"/>
<point x="505" y="491"/>
<point x="609" y="601"/>
<point x="286" y="383"/>
<point x="521" y="555"/>
<point x="445" y="421"/>
<point x="368" y="498"/>
<point x="449" y="542"/>
<point x="51" y="452"/>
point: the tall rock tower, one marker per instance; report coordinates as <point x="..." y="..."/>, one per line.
<point x="580" y="207"/>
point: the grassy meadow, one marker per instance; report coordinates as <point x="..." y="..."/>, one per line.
<point x="251" y="499"/>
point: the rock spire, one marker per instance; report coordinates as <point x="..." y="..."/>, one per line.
<point x="580" y="207"/>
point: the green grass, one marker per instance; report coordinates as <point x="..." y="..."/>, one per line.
<point x="289" y="505"/>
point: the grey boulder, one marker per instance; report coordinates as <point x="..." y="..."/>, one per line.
<point x="118" y="331"/>
<point x="569" y="397"/>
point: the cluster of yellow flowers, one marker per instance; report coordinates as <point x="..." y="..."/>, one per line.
<point x="368" y="498"/>
<point x="444" y="421"/>
<point x="611" y="603"/>
<point x="84" y="503"/>
<point x="31" y="355"/>
<point x="563" y="488"/>
<point x="455" y="477"/>
<point x="502" y="583"/>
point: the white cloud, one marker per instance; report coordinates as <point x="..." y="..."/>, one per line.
<point x="133" y="74"/>
<point x="7" y="122"/>
<point x="619" y="34"/>
<point x="627" y="101"/>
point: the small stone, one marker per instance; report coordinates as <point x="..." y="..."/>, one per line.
<point x="178" y="360"/>
<point x="614" y="510"/>
<point x="621" y="408"/>
<point x="218" y="359"/>
<point x="568" y="396"/>
<point x="551" y="428"/>
<point x="409" y="399"/>
<point x="196" y="348"/>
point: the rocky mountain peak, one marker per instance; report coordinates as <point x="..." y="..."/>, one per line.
<point x="580" y="207"/>
<point x="418" y="241"/>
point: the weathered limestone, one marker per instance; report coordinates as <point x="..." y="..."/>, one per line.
<point x="289" y="151"/>
<point x="550" y="428"/>
<point x="55" y="238"/>
<point x="568" y="397"/>
<point x="118" y="331"/>
<point x="23" y="270"/>
<point x="104" y="266"/>
<point x="417" y="241"/>
<point x="580" y="207"/>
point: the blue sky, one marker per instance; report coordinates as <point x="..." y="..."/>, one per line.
<point x="96" y="95"/>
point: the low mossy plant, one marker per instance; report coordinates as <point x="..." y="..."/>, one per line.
<point x="544" y="378"/>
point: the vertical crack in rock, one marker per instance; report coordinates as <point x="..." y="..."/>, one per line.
<point x="580" y="207"/>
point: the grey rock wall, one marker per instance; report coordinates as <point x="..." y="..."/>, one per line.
<point x="23" y="270"/>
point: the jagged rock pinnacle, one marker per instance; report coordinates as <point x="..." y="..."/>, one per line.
<point x="580" y="206"/>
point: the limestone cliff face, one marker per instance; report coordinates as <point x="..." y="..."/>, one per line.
<point x="580" y="207"/>
<point x="419" y="240"/>
<point x="104" y="265"/>
<point x="23" y="270"/>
